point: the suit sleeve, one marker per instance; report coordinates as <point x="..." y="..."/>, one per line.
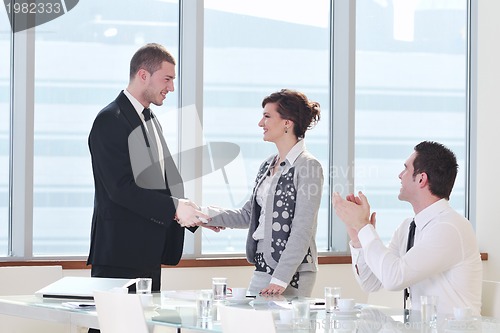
<point x="230" y="218"/>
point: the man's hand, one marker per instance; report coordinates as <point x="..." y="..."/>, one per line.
<point x="354" y="212"/>
<point x="188" y="214"/>
<point x="353" y="233"/>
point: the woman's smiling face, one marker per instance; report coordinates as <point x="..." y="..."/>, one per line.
<point x="272" y="123"/>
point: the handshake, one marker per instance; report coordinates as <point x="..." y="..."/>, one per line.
<point x="189" y="214"/>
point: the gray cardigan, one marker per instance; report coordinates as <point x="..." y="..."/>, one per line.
<point x="290" y="231"/>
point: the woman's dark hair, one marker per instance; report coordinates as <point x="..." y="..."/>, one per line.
<point x="294" y="106"/>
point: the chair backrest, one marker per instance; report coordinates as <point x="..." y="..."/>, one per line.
<point x="118" y="312"/>
<point x="241" y="320"/>
<point x="26" y="280"/>
<point x="491" y="299"/>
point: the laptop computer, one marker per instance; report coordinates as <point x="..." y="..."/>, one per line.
<point x="74" y="287"/>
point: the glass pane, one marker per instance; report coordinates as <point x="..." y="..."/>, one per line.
<point x="252" y="49"/>
<point x="410" y="87"/>
<point x="5" y="33"/>
<point x="82" y="63"/>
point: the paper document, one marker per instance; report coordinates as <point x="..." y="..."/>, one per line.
<point x="79" y="305"/>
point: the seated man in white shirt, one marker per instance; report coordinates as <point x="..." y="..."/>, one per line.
<point x="444" y="260"/>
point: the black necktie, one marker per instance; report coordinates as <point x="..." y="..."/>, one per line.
<point x="151" y="137"/>
<point x="411" y="238"/>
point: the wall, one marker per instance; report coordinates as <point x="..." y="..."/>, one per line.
<point x="488" y="121"/>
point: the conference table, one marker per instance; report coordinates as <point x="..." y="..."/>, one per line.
<point x="173" y="310"/>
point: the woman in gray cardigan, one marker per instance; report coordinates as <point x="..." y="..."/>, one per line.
<point x="281" y="214"/>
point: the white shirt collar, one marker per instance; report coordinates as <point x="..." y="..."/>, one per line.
<point x="295" y="152"/>
<point x="135" y="103"/>
<point x="428" y="213"/>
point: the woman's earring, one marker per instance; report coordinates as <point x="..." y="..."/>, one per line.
<point x="286" y="129"/>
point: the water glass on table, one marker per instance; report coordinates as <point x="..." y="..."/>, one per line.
<point x="332" y="295"/>
<point x="219" y="287"/>
<point x="204" y="302"/>
<point x="143" y="285"/>
<point x="429" y="310"/>
<point x="301" y="313"/>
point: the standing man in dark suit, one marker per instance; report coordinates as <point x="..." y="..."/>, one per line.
<point x="138" y="189"/>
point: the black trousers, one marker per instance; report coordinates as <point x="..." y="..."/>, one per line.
<point x="126" y="273"/>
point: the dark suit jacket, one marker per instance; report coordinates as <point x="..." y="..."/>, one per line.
<point x="132" y="224"/>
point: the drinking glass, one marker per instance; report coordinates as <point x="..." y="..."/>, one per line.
<point x="219" y="286"/>
<point x="301" y="313"/>
<point x="429" y="310"/>
<point x="143" y="285"/>
<point x="332" y="295"/>
<point x="204" y="304"/>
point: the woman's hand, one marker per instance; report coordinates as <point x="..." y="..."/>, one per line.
<point x="272" y="290"/>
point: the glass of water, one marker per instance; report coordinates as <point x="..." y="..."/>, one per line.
<point x="301" y="313"/>
<point x="204" y="304"/>
<point x="332" y="295"/>
<point x="143" y="285"/>
<point x="219" y="287"/>
<point x="429" y="310"/>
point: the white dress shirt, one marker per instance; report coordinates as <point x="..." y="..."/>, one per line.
<point x="139" y="108"/>
<point x="444" y="260"/>
<point x="261" y="198"/>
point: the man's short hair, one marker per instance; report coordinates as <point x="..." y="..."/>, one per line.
<point x="440" y="165"/>
<point x="149" y="57"/>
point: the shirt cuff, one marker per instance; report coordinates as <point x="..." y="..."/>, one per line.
<point x="278" y="282"/>
<point x="355" y="251"/>
<point x="367" y="234"/>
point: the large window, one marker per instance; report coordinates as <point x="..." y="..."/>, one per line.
<point x="250" y="52"/>
<point x="82" y="63"/>
<point x="411" y="75"/>
<point x="4" y="131"/>
<point x="410" y="85"/>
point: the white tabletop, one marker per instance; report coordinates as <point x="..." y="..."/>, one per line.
<point x="181" y="313"/>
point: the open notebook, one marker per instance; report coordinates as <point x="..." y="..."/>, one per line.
<point x="74" y="287"/>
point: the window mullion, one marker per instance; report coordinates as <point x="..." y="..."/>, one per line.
<point x="342" y="78"/>
<point x="22" y="146"/>
<point x="471" y="113"/>
<point x="191" y="104"/>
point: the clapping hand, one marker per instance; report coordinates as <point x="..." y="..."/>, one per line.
<point x="354" y="210"/>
